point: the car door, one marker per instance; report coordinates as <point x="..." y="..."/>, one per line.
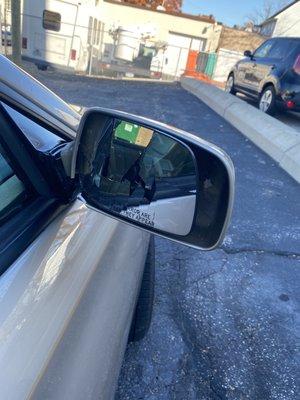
<point x="70" y="276"/>
<point x="242" y="76"/>
<point x="260" y="66"/>
<point x="277" y="62"/>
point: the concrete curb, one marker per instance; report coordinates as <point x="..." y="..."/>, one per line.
<point x="279" y="141"/>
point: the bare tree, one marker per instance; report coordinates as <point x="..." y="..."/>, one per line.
<point x="268" y="8"/>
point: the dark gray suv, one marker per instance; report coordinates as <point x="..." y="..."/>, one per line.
<point x="271" y="75"/>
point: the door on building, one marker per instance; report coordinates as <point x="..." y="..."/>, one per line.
<point x="176" y="54"/>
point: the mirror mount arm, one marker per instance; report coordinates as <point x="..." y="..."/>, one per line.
<point x="248" y="53"/>
<point x="66" y="158"/>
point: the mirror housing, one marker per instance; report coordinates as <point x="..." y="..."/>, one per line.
<point x="153" y="176"/>
<point x="248" y="53"/>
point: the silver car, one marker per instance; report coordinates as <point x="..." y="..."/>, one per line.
<point x="80" y="200"/>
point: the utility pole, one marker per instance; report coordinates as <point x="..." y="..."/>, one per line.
<point x="16" y="31"/>
<point x="1" y="50"/>
<point x="5" y="29"/>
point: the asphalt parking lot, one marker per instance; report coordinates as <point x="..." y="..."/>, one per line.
<point x="226" y="323"/>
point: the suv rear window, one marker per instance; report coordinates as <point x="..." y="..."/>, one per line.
<point x="282" y="48"/>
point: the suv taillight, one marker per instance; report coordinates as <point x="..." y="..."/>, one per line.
<point x="73" y="54"/>
<point x="296" y="66"/>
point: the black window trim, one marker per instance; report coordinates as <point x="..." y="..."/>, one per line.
<point x="22" y="227"/>
<point x="29" y="113"/>
<point x="20" y="152"/>
<point x="21" y="230"/>
<point x="25" y="197"/>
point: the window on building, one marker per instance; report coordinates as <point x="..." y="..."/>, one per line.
<point x="268" y="28"/>
<point x="198" y="44"/>
<point x="51" y="20"/>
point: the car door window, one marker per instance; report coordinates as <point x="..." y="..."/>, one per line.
<point x="263" y="50"/>
<point x="13" y="192"/>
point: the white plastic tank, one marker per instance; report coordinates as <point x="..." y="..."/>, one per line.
<point x="128" y="44"/>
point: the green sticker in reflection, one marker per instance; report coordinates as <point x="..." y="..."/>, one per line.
<point x="127" y="131"/>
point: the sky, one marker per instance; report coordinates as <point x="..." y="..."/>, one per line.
<point x="229" y="12"/>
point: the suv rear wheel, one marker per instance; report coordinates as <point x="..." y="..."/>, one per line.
<point x="267" y="102"/>
<point x="229" y="88"/>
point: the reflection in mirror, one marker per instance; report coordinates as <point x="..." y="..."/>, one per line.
<point x="143" y="175"/>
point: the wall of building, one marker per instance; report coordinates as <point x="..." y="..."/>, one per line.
<point x="117" y="14"/>
<point x="5" y="5"/>
<point x="179" y="34"/>
<point x="239" y="40"/>
<point x="231" y="47"/>
<point x="225" y="61"/>
<point x="288" y="22"/>
<point x="5" y="18"/>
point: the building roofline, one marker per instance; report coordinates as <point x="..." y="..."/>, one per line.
<point x="242" y="30"/>
<point x="202" y="18"/>
<point x="279" y="11"/>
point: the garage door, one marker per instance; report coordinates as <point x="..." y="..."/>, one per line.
<point x="177" y="52"/>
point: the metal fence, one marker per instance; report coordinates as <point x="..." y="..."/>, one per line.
<point x="124" y="54"/>
<point x="212" y="66"/>
<point x="91" y="48"/>
<point x="206" y="63"/>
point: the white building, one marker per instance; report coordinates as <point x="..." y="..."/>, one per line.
<point x="85" y="35"/>
<point x="5" y="27"/>
<point x="181" y="33"/>
<point x="286" y="22"/>
<point x="200" y="28"/>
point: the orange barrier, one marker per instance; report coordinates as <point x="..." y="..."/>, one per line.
<point x="203" y="77"/>
<point x="190" y="70"/>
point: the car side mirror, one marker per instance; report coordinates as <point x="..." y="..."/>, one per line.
<point x="154" y="177"/>
<point x="248" y="53"/>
